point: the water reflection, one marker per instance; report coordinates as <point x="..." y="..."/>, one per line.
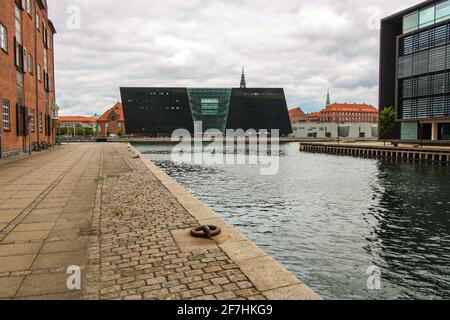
<point x="329" y="218"/>
<point x="411" y="237"/>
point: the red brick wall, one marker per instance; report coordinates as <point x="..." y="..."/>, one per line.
<point x="33" y="98"/>
<point x="113" y="127"/>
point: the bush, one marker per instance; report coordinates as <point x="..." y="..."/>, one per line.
<point x="121" y="132"/>
<point x="386" y="122"/>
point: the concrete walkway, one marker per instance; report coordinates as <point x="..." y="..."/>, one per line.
<point x="46" y="205"/>
<point x="126" y="224"/>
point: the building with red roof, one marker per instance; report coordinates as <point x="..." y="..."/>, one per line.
<point x="77" y="121"/>
<point x="313" y="117"/>
<point x="349" y="113"/>
<point x="297" y="115"/>
<point x="112" y="121"/>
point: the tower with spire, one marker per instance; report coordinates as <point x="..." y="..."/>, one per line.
<point x="328" y="99"/>
<point x="243" y="81"/>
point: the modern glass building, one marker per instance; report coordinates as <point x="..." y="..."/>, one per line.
<point x="415" y="70"/>
<point x="160" y="111"/>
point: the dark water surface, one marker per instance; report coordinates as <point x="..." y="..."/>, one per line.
<point x="329" y="218"/>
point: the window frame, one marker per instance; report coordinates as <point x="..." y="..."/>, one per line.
<point x="30" y="64"/>
<point x="6" y="105"/>
<point x="2" y="27"/>
<point x="29" y="8"/>
<point x="38" y="72"/>
<point x="38" y="22"/>
<point x="41" y="126"/>
<point x="32" y="120"/>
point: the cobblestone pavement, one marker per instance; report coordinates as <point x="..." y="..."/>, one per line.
<point x="54" y="204"/>
<point x="126" y="225"/>
<point x="135" y="255"/>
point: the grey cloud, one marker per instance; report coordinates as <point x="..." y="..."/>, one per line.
<point x="302" y="46"/>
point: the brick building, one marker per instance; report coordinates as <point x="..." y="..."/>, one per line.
<point x="313" y="117"/>
<point x="77" y="121"/>
<point x="27" y="82"/>
<point x="297" y="115"/>
<point x="349" y="113"/>
<point x="112" y="121"/>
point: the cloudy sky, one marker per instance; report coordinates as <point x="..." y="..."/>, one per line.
<point x="303" y="46"/>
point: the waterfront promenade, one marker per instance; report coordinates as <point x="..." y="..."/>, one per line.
<point x="106" y="209"/>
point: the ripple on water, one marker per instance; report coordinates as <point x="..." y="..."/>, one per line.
<point x="327" y="219"/>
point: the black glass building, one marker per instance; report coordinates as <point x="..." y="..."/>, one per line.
<point x="415" y="70"/>
<point x="160" y="111"/>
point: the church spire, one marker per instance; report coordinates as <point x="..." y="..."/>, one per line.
<point x="328" y="99"/>
<point x="243" y="81"/>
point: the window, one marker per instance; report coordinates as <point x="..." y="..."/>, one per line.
<point x="437" y="59"/>
<point x="439" y="35"/>
<point x="29" y="7"/>
<point x="406" y="90"/>
<point x="411" y="22"/>
<point x="3" y="38"/>
<point x="18" y="25"/>
<point x="404" y="67"/>
<point x="46" y="64"/>
<point x="24" y="53"/>
<point x="30" y="63"/>
<point x="423" y="40"/>
<point x="32" y="124"/>
<point x="37" y="22"/>
<point x="422" y="86"/>
<point x="439" y="83"/>
<point x="210" y="107"/>
<point x="38" y="72"/>
<point x="420" y="63"/>
<point x="443" y="11"/>
<point x="6" y="109"/>
<point x="40" y="122"/>
<point x="426" y="17"/>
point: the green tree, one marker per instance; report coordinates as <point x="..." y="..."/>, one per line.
<point x="121" y="132"/>
<point x="386" y="122"/>
<point x="62" y="131"/>
<point x="88" y="132"/>
<point x="79" y="131"/>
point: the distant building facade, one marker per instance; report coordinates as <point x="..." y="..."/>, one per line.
<point x="335" y="130"/>
<point x="77" y="121"/>
<point x="345" y="114"/>
<point x="415" y="71"/>
<point x="112" y="122"/>
<point x="349" y="113"/>
<point x="297" y="115"/>
<point x="161" y="111"/>
<point x="313" y="117"/>
<point x="27" y="82"/>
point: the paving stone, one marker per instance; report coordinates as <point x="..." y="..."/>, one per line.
<point x="59" y="259"/>
<point x="43" y="284"/>
<point x="9" y="286"/>
<point x="16" y="263"/>
<point x="22" y="249"/>
<point x="27" y="236"/>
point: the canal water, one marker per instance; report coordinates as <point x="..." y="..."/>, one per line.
<point x="338" y="223"/>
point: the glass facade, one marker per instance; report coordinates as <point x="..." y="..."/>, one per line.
<point x="210" y="106"/>
<point x="427" y="16"/>
<point x="424" y="74"/>
<point x="444" y="131"/>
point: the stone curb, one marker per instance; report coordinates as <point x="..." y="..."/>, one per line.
<point x="267" y="275"/>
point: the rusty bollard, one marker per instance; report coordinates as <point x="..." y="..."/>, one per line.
<point x="205" y="232"/>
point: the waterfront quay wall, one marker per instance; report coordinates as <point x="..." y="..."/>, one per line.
<point x="431" y="155"/>
<point x="267" y="275"/>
